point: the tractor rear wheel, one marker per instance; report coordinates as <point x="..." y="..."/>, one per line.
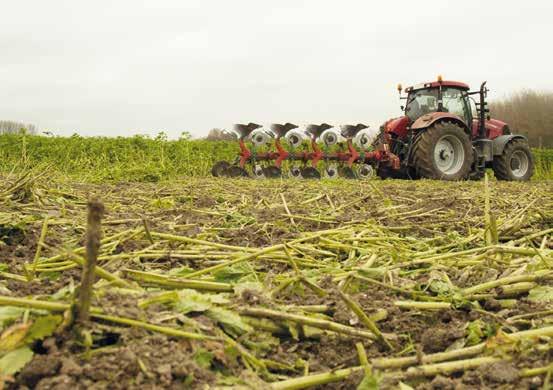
<point x="515" y="163"/>
<point x="442" y="151"/>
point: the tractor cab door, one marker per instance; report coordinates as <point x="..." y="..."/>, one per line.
<point x="455" y="102"/>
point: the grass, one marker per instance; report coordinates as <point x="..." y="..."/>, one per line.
<point x="138" y="158"/>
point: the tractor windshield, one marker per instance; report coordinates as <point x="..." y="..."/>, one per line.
<point x="425" y="101"/>
<point x="421" y="102"/>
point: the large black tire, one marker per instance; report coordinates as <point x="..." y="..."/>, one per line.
<point x="443" y="151"/>
<point x="272" y="172"/>
<point x="236" y="171"/>
<point x="310" y="173"/>
<point x="219" y="168"/>
<point x="346" y="172"/>
<point x="515" y="163"/>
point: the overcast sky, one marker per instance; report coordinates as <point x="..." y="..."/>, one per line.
<point x="121" y="67"/>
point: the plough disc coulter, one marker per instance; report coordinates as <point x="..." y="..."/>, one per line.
<point x="312" y="153"/>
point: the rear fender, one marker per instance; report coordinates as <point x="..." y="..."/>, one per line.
<point x="499" y="143"/>
<point x="428" y="120"/>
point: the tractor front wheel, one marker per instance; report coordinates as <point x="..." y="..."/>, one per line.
<point x="443" y="151"/>
<point x="515" y="163"/>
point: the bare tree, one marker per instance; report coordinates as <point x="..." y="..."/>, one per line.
<point x="11" y="127"/>
<point x="528" y="112"/>
<point x="220" y="135"/>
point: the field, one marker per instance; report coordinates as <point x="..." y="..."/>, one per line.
<point x="282" y="284"/>
<point x="139" y="158"/>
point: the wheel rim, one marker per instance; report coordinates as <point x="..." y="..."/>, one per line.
<point x="449" y="154"/>
<point x="519" y="163"/>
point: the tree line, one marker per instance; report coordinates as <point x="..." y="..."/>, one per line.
<point x="529" y="113"/>
<point x="11" y="127"/>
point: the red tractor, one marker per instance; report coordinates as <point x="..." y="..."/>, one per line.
<point x="445" y="134"/>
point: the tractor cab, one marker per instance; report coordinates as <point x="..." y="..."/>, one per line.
<point x="447" y="96"/>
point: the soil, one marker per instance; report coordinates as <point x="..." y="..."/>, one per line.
<point x="423" y="215"/>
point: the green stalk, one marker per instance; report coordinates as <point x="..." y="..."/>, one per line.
<point x="354" y="306"/>
<point x="188" y="240"/>
<point x="314" y="379"/>
<point x="423" y="305"/>
<point x="448" y="367"/>
<point x="310" y="321"/>
<point x="96" y="314"/>
<point x="250" y="256"/>
<point x="39" y="245"/>
<point x="545" y="274"/>
<point x="151" y="327"/>
<point x="176" y="283"/>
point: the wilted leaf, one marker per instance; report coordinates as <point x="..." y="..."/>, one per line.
<point x="192" y="301"/>
<point x="541" y="294"/>
<point x="13" y="336"/>
<point x="230" y="320"/>
<point x="15" y="360"/>
<point x="253" y="286"/>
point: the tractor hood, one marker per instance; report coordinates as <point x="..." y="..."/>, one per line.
<point x="494" y="128"/>
<point x="397" y="126"/>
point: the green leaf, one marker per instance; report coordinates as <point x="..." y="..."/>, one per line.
<point x="203" y="358"/>
<point x="234" y="273"/>
<point x="9" y="314"/>
<point x="474" y="332"/>
<point x="231" y="321"/>
<point x="369" y="382"/>
<point x="180" y="271"/>
<point x="15" y="360"/>
<point x="43" y="327"/>
<point x="541" y="294"/>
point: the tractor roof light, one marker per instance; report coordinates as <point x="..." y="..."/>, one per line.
<point x="399" y="88"/>
<point x="440" y="78"/>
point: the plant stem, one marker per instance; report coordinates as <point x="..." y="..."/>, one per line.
<point x="93" y="236"/>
